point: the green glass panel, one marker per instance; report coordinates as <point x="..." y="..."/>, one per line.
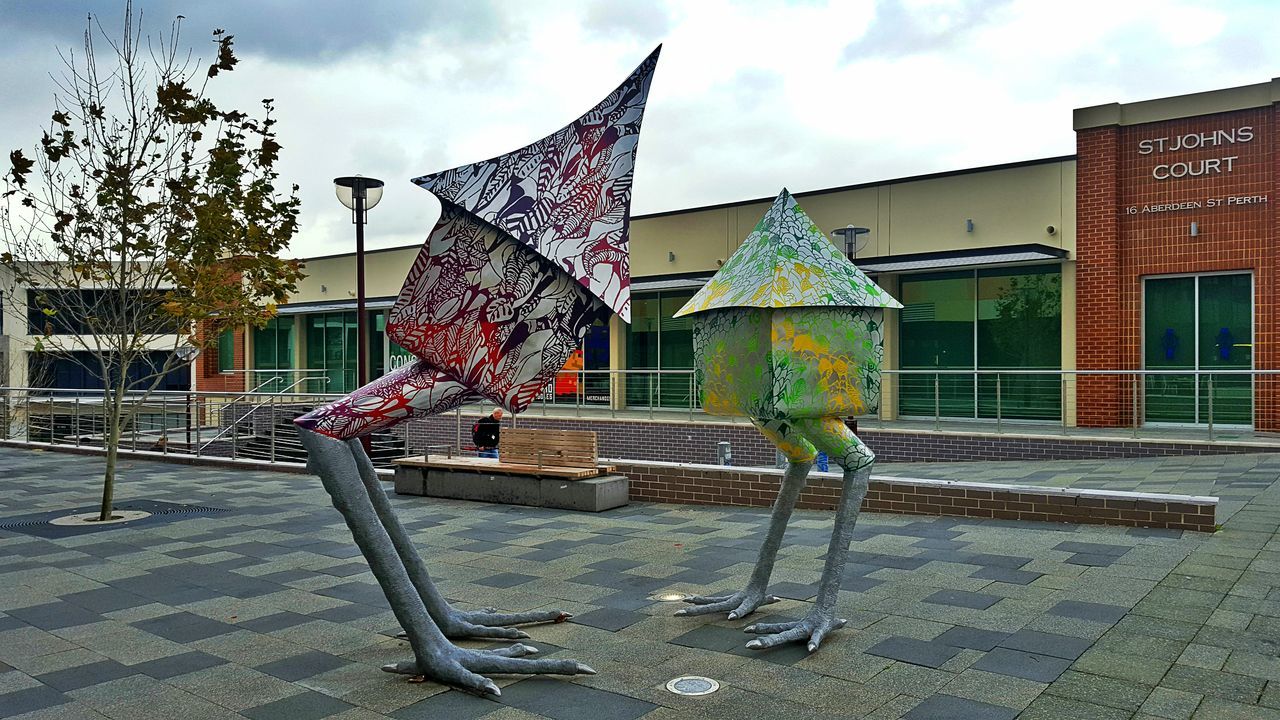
<point x="227" y="350"/>
<point x="333" y="348"/>
<point x="350" y="348"/>
<point x="1020" y="328"/>
<point x="936" y="327"/>
<point x="315" y="349"/>
<point x="377" y="338"/>
<point x="1169" y="341"/>
<point x="676" y="351"/>
<point x="642" y="349"/>
<point x="1226" y="343"/>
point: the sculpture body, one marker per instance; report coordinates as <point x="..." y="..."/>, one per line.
<point x="789" y="334"/>
<point x="529" y="250"/>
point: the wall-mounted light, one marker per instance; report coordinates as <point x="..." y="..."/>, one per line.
<point x="671" y="256"/>
<point x="968" y="225"/>
<point x="1195" y="229"/>
<point x="1051" y="230"/>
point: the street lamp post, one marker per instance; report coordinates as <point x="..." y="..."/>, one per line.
<point x="359" y="194"/>
<point x="850" y="235"/>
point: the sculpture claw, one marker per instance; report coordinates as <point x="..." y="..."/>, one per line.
<point x="466" y="669"/>
<point x="813" y="628"/>
<point x="737" y="605"/>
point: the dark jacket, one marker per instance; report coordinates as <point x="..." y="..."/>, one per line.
<point x="485" y="432"/>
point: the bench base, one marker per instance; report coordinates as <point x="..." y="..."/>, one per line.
<point x="590" y="495"/>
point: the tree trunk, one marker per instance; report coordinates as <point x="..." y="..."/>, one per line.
<point x="111" y="416"/>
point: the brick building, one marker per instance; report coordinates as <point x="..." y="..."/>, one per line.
<point x="1176" y="257"/>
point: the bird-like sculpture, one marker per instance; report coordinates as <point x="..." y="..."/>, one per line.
<point x="530" y="249"/>
<point x="789" y="334"/>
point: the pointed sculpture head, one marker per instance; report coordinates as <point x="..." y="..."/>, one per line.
<point x="788" y="327"/>
<point x="529" y="251"/>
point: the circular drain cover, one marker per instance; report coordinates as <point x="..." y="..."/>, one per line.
<point x="693" y="685"/>
<point x="669" y="596"/>
<point x="119" y="516"/>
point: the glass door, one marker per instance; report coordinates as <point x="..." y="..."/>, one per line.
<point x="1226" y="343"/>
<point x="1198" y="323"/>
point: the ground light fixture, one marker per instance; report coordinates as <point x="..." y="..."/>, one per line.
<point x="692" y="685"/>
<point x="669" y="596"/>
<point x="359" y="194"/>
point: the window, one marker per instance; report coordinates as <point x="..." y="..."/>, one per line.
<point x="81" y="370"/>
<point x="227" y="350"/>
<point x="989" y="319"/>
<point x="1198" y="323"/>
<point x="273" y="350"/>
<point x="82" y="312"/>
<point x="658" y="341"/>
<point x="331" y="347"/>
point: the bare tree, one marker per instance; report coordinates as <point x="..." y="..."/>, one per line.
<point x="145" y="212"/>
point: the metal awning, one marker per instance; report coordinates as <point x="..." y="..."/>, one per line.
<point x="684" y="283"/>
<point x="345" y="305"/>
<point x="962" y="258"/>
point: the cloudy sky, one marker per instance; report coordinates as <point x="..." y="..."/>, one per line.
<point x="748" y="97"/>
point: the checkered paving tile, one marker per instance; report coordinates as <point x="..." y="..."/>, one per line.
<point x="267" y="610"/>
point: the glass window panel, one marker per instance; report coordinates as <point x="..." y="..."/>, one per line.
<point x="1020" y="327"/>
<point x="377" y="342"/>
<point x="227" y="350"/>
<point x="1169" y="342"/>
<point x="936" y="328"/>
<point x="1226" y="342"/>
<point x="595" y="359"/>
<point x="676" y="351"/>
<point x="642" y="348"/>
<point x="333" y="338"/>
<point x="350" y="348"/>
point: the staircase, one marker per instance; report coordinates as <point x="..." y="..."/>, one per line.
<point x="383" y="447"/>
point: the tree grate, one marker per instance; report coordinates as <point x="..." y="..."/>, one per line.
<point x="37" y="524"/>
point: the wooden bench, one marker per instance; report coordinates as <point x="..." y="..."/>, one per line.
<point x="544" y="468"/>
<point x="567" y="454"/>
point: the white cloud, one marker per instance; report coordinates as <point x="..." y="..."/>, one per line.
<point x="748" y="97"/>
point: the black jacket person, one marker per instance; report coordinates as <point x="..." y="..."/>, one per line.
<point x="485" y="433"/>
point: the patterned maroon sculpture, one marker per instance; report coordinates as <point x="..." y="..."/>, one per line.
<point x="529" y="251"/>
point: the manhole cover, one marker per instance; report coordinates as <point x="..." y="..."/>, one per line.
<point x="669" y="596"/>
<point x="91" y="518"/>
<point x="693" y="685"/>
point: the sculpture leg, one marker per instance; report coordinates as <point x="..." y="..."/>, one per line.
<point x="454" y="623"/>
<point x="434" y="656"/>
<point x="832" y="437"/>
<point x="800" y="456"/>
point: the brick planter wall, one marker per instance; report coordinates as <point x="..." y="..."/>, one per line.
<point x="757" y="487"/>
<point x="695" y="442"/>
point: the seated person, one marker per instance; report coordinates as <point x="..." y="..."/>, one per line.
<point x="485" y="434"/>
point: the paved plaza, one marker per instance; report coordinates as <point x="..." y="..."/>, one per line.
<point x="257" y="605"/>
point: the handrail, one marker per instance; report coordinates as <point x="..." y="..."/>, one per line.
<point x="254" y="409"/>
<point x="242" y="417"/>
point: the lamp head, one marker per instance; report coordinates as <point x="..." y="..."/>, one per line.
<point x="358" y="186"/>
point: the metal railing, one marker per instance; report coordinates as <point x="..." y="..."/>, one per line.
<point x="1177" y="404"/>
<point x="235" y="423"/>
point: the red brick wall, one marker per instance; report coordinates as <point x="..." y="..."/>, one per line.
<point x="1118" y="244"/>
<point x="208" y="379"/>
<point x="754" y="488"/>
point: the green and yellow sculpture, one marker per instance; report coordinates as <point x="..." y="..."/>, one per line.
<point x="789" y="334"/>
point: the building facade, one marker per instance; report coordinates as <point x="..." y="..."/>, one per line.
<point x="1149" y="255"/>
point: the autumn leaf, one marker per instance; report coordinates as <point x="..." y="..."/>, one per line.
<point x="19" y="168"/>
